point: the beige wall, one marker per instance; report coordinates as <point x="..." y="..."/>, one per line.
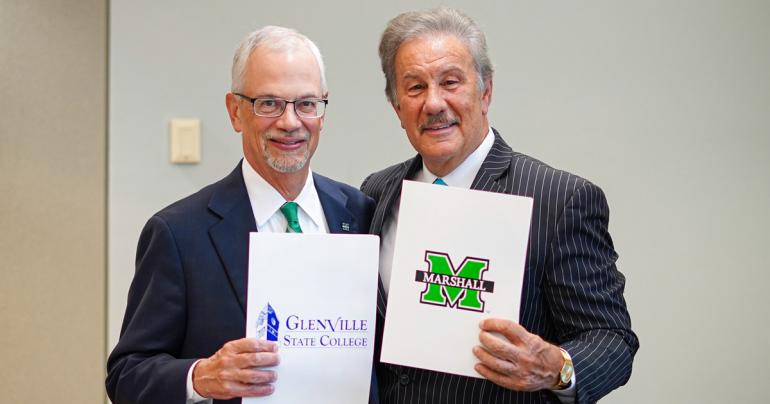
<point x="52" y="209"/>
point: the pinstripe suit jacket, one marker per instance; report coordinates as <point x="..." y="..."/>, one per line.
<point x="572" y="294"/>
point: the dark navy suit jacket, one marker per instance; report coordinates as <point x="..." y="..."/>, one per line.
<point x="572" y="294"/>
<point x="188" y="296"/>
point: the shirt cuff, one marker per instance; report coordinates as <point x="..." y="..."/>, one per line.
<point x="192" y="395"/>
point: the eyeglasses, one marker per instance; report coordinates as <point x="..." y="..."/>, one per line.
<point x="271" y="107"/>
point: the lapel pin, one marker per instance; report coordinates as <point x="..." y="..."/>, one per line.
<point x="345" y="226"/>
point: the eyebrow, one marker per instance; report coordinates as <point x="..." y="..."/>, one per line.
<point x="409" y="76"/>
<point x="450" y="69"/>
<point x="453" y="69"/>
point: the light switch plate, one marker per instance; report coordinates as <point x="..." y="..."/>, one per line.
<point x="185" y="141"/>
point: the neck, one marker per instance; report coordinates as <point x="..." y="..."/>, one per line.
<point x="289" y="185"/>
<point x="441" y="168"/>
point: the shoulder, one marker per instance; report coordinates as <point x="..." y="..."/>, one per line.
<point x="189" y="205"/>
<point x="539" y="177"/>
<point x="194" y="209"/>
<point x="374" y="184"/>
<point x="556" y="193"/>
<point x="521" y="174"/>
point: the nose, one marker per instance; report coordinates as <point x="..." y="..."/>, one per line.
<point x="434" y="100"/>
<point x="289" y="121"/>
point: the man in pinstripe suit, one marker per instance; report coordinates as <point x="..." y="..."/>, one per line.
<point x="439" y="82"/>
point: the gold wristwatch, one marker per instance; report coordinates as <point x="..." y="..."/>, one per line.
<point x="565" y="375"/>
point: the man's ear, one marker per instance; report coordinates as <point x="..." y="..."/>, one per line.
<point x="323" y="118"/>
<point x="486" y="97"/>
<point x="233" y="109"/>
<point x="397" y="109"/>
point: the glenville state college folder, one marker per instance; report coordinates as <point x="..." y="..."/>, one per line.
<point x="315" y="295"/>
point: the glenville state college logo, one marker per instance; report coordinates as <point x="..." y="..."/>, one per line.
<point x="459" y="288"/>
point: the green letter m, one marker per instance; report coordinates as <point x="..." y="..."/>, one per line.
<point x="441" y="294"/>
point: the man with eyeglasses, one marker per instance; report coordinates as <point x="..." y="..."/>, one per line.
<point x="183" y="332"/>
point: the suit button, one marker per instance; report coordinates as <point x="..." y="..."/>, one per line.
<point x="404" y="379"/>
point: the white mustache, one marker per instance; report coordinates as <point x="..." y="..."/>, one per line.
<point x="440" y="119"/>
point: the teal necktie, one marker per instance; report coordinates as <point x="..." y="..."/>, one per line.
<point x="289" y="210"/>
<point x="439" y="181"/>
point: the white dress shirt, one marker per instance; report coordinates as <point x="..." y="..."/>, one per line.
<point x="266" y="203"/>
<point x="461" y="177"/>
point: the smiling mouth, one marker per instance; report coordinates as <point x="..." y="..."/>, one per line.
<point x="285" y="141"/>
<point x="288" y="145"/>
<point x="437" y="127"/>
<point x="288" y="141"/>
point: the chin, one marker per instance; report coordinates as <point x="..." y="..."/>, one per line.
<point x="290" y="168"/>
<point x="440" y="150"/>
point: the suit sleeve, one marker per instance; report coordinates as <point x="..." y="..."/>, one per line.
<point x="585" y="293"/>
<point x="144" y="366"/>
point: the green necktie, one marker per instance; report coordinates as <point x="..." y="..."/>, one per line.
<point x="289" y="210"/>
<point x="439" y="181"/>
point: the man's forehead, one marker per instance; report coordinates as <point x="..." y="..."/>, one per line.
<point x="437" y="43"/>
<point x="274" y="71"/>
<point x="443" y="53"/>
<point x="284" y="55"/>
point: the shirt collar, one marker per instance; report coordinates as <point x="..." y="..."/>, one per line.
<point x="464" y="174"/>
<point x="266" y="201"/>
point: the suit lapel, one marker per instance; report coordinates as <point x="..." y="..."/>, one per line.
<point x="495" y="165"/>
<point x="334" y="204"/>
<point x="382" y="302"/>
<point x="390" y="199"/>
<point x="391" y="193"/>
<point x="231" y="234"/>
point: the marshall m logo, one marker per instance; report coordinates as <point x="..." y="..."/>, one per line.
<point x="458" y="288"/>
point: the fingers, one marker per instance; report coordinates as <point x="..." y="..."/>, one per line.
<point x="237" y="370"/>
<point x="259" y="390"/>
<point x="245" y="345"/>
<point x="499" y="347"/>
<point x="252" y="353"/>
<point x="237" y="389"/>
<point x="512" y="357"/>
<point x="503" y="380"/>
<point x="491" y="375"/>
<point x="256" y="360"/>
<point x="254" y="376"/>
<point x="492" y="362"/>
<point x="243" y="383"/>
<point x="504" y="373"/>
<point x="509" y="329"/>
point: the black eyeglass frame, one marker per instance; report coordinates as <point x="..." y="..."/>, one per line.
<point x="253" y="100"/>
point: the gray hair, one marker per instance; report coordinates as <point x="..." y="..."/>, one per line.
<point x="278" y="38"/>
<point x="437" y="21"/>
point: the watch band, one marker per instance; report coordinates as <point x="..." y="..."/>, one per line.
<point x="565" y="374"/>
